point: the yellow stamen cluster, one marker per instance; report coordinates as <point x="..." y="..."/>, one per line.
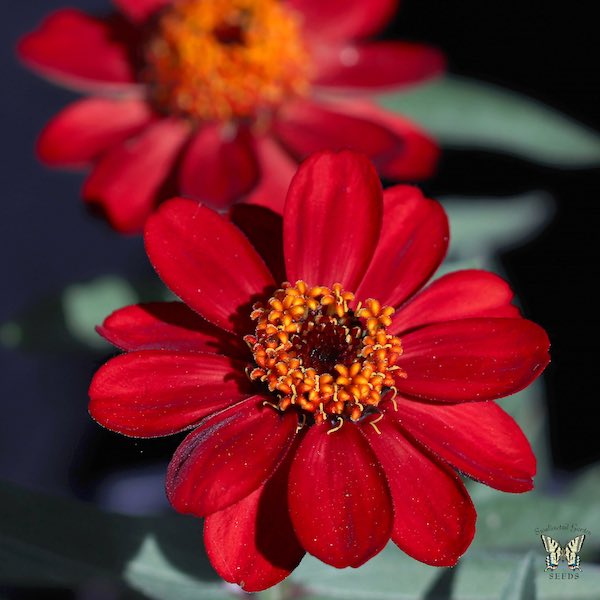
<point x="316" y="353"/>
<point x="226" y="59"/>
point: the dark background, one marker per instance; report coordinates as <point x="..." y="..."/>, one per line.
<point x="47" y="241"/>
<point x="547" y="50"/>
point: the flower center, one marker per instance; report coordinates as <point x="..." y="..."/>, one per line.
<point x="322" y="357"/>
<point x="225" y="59"/>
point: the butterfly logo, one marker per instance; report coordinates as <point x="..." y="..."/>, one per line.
<point x="556" y="553"/>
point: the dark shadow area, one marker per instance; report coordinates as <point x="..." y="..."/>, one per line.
<point x="553" y="277"/>
<point x="441" y="589"/>
<point x="41" y="328"/>
<point x="547" y="53"/>
<point x="24" y="593"/>
<point x="102" y="452"/>
<point x="264" y="229"/>
<point x="275" y="537"/>
<point x="241" y="322"/>
<point x="66" y="530"/>
<point x="91" y="591"/>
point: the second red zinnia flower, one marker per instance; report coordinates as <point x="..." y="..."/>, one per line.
<point x="328" y="413"/>
<point x="219" y="99"/>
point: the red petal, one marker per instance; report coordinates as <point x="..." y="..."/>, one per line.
<point x="168" y="326"/>
<point x="264" y="229"/>
<point x="152" y="393"/>
<point x="228" y="457"/>
<point x="339" y="500"/>
<point x="86" y="128"/>
<point x="341" y="20"/>
<point x="434" y="518"/>
<point x="418" y="156"/>
<point x="378" y="65"/>
<point x="478" y="438"/>
<point x="332" y="219"/>
<point x="460" y="295"/>
<point x="81" y="51"/>
<point x="472" y="359"/>
<point x="305" y="128"/>
<point x="218" y="168"/>
<point x="252" y="543"/>
<point x="125" y="183"/>
<point x="207" y="262"/>
<point x="413" y="243"/>
<point x="140" y="10"/>
<point x="276" y="171"/>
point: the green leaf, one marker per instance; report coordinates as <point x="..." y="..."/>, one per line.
<point x="482" y="227"/>
<point x="515" y="521"/>
<point x="47" y="541"/>
<point x="465" y="113"/>
<point x="152" y="573"/>
<point x="86" y="305"/>
<point x="521" y="582"/>
<point x="479" y="575"/>
<point x="391" y="574"/>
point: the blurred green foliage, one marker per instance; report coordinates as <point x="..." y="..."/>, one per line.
<point x="464" y="113"/>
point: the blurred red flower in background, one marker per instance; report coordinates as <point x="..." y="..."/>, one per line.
<point x="336" y="425"/>
<point x="218" y="99"/>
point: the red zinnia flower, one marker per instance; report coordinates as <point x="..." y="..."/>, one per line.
<point x="336" y="425"/>
<point x="218" y="99"/>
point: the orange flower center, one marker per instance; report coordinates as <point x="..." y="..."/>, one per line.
<point x="226" y="59"/>
<point x="322" y="357"/>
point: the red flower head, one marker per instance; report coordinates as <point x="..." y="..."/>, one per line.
<point x="218" y="99"/>
<point x="337" y="424"/>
